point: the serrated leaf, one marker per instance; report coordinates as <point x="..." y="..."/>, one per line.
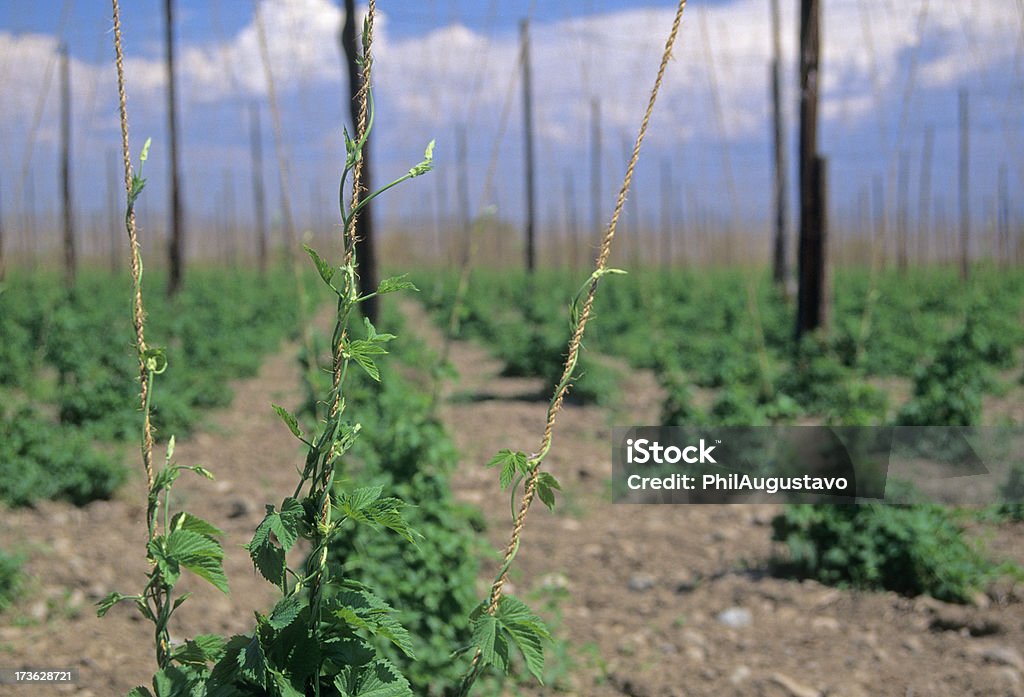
<point x="202" y="649"/>
<point x="200" y="554"/>
<point x="395" y="283"/>
<point x="187" y="521"/>
<point x="526" y="630"/>
<point x="209" y="569"/>
<point x="186" y="544"/>
<point x="510" y="462"/>
<point x="388" y="513"/>
<point x="512" y="610"/>
<point x="354" y="502"/>
<point x="325" y="270"/>
<point x="285" y="687"/>
<point x="289" y="420"/>
<point x="378" y="679"/>
<point x="285" y="612"/>
<point x="166" y="565"/>
<point x="252" y="662"/>
<point x="140" y="691"/>
<point x="530" y="645"/>
<point x="268" y="558"/>
<point x="546" y="487"/>
<point x="485" y="634"/>
<point x="361" y="609"/>
<point x="362" y="357"/>
<point x="170" y="682"/>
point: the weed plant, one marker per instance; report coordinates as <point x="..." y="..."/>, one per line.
<point x="11" y="578"/>
<point x="912" y="550"/>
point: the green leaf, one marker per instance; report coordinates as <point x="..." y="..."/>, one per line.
<point x="326" y="270"/>
<point x="546" y="486"/>
<point x="286" y="524"/>
<point x="510" y="463"/>
<point x="187" y="521"/>
<point x="289" y="420"/>
<point x="112" y="599"/>
<point x="166" y="565"/>
<point x="361" y="609"/>
<point x="165" y="478"/>
<point x="427" y="164"/>
<point x="203" y="649"/>
<point x="526" y="630"/>
<point x="140" y="691"/>
<point x="286" y="610"/>
<point x="170" y="682"/>
<point x="395" y="283"/>
<point x="360" y="351"/>
<point x="373" y="336"/>
<point x="485" y="635"/>
<point x="286" y="687"/>
<point x="209" y="569"/>
<point x="252" y="662"/>
<point x="378" y="679"/>
<point x="199" y="554"/>
<point x="268" y="558"/>
<point x="186" y="544"/>
<point x="354" y="502"/>
<point x="267" y="555"/>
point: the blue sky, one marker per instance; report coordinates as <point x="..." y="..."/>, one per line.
<point x="892" y="70"/>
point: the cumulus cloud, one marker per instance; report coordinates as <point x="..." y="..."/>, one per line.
<point x="448" y="72"/>
<point x="456" y="74"/>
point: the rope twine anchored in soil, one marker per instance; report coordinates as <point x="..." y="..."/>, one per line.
<point x="600" y="267"/>
<point x="138" y="312"/>
<point x="351" y="239"/>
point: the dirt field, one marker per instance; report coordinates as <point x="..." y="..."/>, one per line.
<point x="651" y="600"/>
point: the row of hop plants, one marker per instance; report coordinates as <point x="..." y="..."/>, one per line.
<point x="950" y="343"/>
<point x="700" y="331"/>
<point x="65" y="387"/>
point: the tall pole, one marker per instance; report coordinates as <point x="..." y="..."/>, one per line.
<point x="881" y="233"/>
<point x="228" y="217"/>
<point x="666" y="212"/>
<point x="524" y="35"/>
<point x="811" y="311"/>
<point x="364" y="223"/>
<point x="113" y="231"/>
<point x="903" y="186"/>
<point x="65" y="169"/>
<point x="176" y="245"/>
<point x="1003" y="244"/>
<point x="572" y="222"/>
<point x="1" y="235"/>
<point x="465" y="218"/>
<point x="779" y="258"/>
<point x="29" y="223"/>
<point x="259" y="197"/>
<point x="925" y="199"/>
<point x="964" y="189"/>
<point x="595" y="166"/>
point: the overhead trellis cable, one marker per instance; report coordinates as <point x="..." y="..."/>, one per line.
<point x="37" y="117"/>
